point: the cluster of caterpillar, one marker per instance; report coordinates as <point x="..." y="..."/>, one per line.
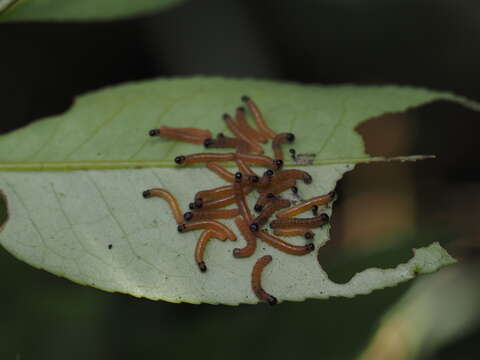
<point x="207" y="205"/>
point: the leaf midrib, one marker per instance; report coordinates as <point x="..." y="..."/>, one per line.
<point x="136" y="164"/>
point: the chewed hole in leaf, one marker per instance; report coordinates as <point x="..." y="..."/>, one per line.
<point x="373" y="221"/>
<point x="396" y="137"/>
<point x="3" y="210"/>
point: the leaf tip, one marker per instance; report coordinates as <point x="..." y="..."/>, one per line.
<point x="431" y="258"/>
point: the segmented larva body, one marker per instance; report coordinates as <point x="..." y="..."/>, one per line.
<point x="200" y="248"/>
<point x="283" y="245"/>
<point x="210" y="214"/>
<point x="295" y="174"/>
<point x="286" y="223"/>
<point x="306" y="233"/>
<point x="192" y="135"/>
<point x="269" y="209"/>
<point x="307" y="205"/>
<point x="204" y="157"/>
<point x="215" y="193"/>
<point x="257" y="280"/>
<point x="232" y="126"/>
<point x="221" y="171"/>
<point x="258" y="117"/>
<point x="188" y="130"/>
<point x="265" y="180"/>
<point x="251" y="179"/>
<point x="223" y="141"/>
<point x="247" y="129"/>
<point x="240" y="198"/>
<point x="177" y="213"/>
<point x="278" y="141"/>
<point x="208" y="225"/>
<point x="251" y="240"/>
<point x="263" y="200"/>
<point x="227" y="200"/>
<point x="244" y="168"/>
<point x="219" y="203"/>
<point x="265" y="195"/>
<point x="261" y="160"/>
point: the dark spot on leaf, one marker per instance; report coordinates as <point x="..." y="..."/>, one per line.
<point x="3" y="210"/>
<point x="110" y="246"/>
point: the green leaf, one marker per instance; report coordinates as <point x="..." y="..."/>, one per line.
<point x="74" y="10"/>
<point x="73" y="184"/>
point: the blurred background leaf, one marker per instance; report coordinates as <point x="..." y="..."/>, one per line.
<point x="435" y="311"/>
<point x="73" y="10"/>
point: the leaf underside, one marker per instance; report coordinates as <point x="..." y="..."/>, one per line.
<point x="74" y="10"/>
<point x="73" y="184"/>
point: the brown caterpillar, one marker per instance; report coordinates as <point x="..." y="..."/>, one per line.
<point x="228" y="200"/>
<point x="204" y="157"/>
<point x="215" y="193"/>
<point x="307" y="205"/>
<point x="278" y="141"/>
<point x="200" y="248"/>
<point x="247" y="129"/>
<point x="306" y="233"/>
<point x="285" y="246"/>
<point x="261" y="160"/>
<point x="257" y="280"/>
<point x="223" y="141"/>
<point x="177" y="213"/>
<point x="269" y="209"/>
<point x="296" y="174"/>
<point x="192" y="135"/>
<point x="208" y="225"/>
<point x="221" y="171"/>
<point x="266" y="193"/>
<point x="240" y="198"/>
<point x="210" y="214"/>
<point x="259" y="120"/>
<point x="251" y="240"/>
<point x="235" y="129"/>
<point x="286" y="223"/>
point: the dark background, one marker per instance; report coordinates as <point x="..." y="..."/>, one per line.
<point x="432" y="44"/>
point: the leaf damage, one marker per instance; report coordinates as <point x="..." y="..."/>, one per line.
<point x="3" y="211"/>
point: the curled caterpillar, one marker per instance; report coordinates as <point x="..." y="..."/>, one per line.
<point x="208" y="225"/>
<point x="251" y="240"/>
<point x="177" y="213"/>
<point x="257" y="280"/>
